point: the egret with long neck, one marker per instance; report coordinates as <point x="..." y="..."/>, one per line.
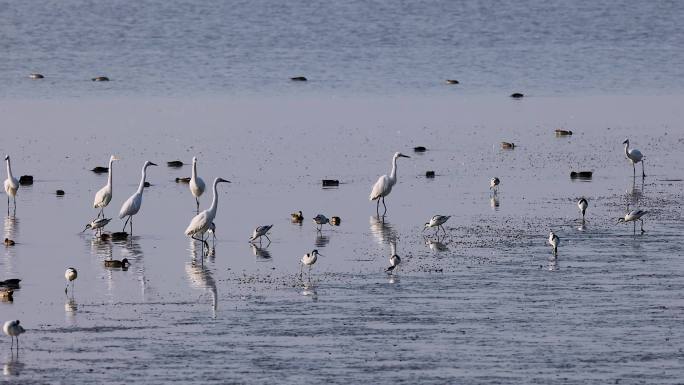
<point x="634" y="156"/>
<point x="132" y="204"/>
<point x="383" y="186"/>
<point x="11" y="186"/>
<point x="104" y="196"/>
<point x="202" y="221"/>
<point x="196" y="183"/>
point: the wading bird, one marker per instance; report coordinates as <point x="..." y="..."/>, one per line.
<point x="202" y="221"/>
<point x="259" y="232"/>
<point x="553" y="241"/>
<point x="13" y="329"/>
<point x="11" y="186"/>
<point x="494" y="184"/>
<point x="321" y="220"/>
<point x="132" y="204"/>
<point x="97" y="225"/>
<point x="196" y="183"/>
<point x="633" y="216"/>
<point x="309" y="259"/>
<point x="104" y="196"/>
<point x="383" y="187"/>
<point x="634" y="156"/>
<point x="70" y="275"/>
<point x="582" y="204"/>
<point x="437" y="221"/>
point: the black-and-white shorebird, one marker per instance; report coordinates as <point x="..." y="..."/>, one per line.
<point x="321" y="220"/>
<point x="259" y="232"/>
<point x="308" y="260"/>
<point x="554" y="241"/>
<point x="633" y="216"/>
<point x="13" y="329"/>
<point x="70" y="275"/>
<point x="97" y="225"/>
<point x="583" y="204"/>
<point x="437" y="221"/>
<point x="634" y="156"/>
<point x="494" y="184"/>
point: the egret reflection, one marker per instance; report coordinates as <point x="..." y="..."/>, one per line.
<point x="382" y="230"/>
<point x="12" y="366"/>
<point x="199" y="277"/>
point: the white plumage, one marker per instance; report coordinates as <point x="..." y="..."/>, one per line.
<point x="261" y="231"/>
<point x="132" y="204"/>
<point x="70" y="275"/>
<point x="196" y="183"/>
<point x="554" y="241"/>
<point x="583" y="204"/>
<point x="104" y="196"/>
<point x="11" y="185"/>
<point x="634" y="156"/>
<point x="203" y="221"/>
<point x="437" y="221"/>
<point x="633" y="216"/>
<point x="383" y="187"/>
<point x="13" y="329"/>
<point x="494" y="183"/>
<point x="97" y="224"/>
<point x="309" y="259"/>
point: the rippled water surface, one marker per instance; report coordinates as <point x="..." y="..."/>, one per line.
<point x="484" y="303"/>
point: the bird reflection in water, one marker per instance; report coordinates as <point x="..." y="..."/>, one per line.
<point x="70" y="309"/>
<point x="131" y="250"/>
<point x="436" y="244"/>
<point x="309" y="290"/>
<point x="382" y="230"/>
<point x="199" y="277"/>
<point x="494" y="202"/>
<point x="634" y="193"/>
<point x="12" y="366"/>
<point x="321" y="240"/>
<point x="261" y="253"/>
<point x="553" y="264"/>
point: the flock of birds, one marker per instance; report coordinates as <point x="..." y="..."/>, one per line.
<point x="203" y="222"/>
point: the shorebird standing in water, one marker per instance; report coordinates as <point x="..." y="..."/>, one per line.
<point x="11" y="186"/>
<point x="494" y="184"/>
<point x="13" y="329"/>
<point x="321" y="220"/>
<point x="554" y="241"/>
<point x="582" y="204"/>
<point x="383" y="187"/>
<point x="70" y="275"/>
<point x="633" y="216"/>
<point x="394" y="259"/>
<point x="437" y="221"/>
<point x="634" y="156"/>
<point x="97" y="225"/>
<point x="309" y="259"/>
<point x="261" y="231"/>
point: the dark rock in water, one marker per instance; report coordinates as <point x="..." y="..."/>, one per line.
<point x="26" y="180"/>
<point x="335" y="221"/>
<point x="299" y="79"/>
<point x="581" y="174"/>
<point x="452" y="81"/>
<point x="147" y="184"/>
<point x="100" y="170"/>
<point x="429" y="174"/>
<point x="183" y="180"/>
<point x="119" y="235"/>
<point x="36" y="76"/>
<point x="507" y="145"/>
<point x="175" y="163"/>
<point x="101" y="79"/>
<point x="331" y="182"/>
<point x="517" y="95"/>
<point x="59" y="193"/>
<point x="419" y="149"/>
<point x="560" y="132"/>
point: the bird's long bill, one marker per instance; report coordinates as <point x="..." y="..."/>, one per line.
<point x="152" y="164"/>
<point x="404" y="156"/>
<point x="321" y="254"/>
<point x="86" y="228"/>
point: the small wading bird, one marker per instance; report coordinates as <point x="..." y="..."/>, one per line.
<point x="633" y="216"/>
<point x="132" y="204"/>
<point x="634" y="156"/>
<point x="259" y="232"/>
<point x="11" y="186"/>
<point x="383" y="187"/>
<point x="196" y="183"/>
<point x="437" y="221"/>
<point x="202" y="221"/>
<point x="582" y="204"/>
<point x="394" y="259"/>
<point x="309" y="259"/>
<point x="321" y="220"/>
<point x="553" y="241"/>
<point x="494" y="184"/>
<point x="97" y="225"/>
<point x="13" y="329"/>
<point x="104" y="196"/>
<point x="70" y="275"/>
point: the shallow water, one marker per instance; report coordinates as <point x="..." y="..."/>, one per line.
<point x="484" y="303"/>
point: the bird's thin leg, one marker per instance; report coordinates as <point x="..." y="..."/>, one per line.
<point x="643" y="173"/>
<point x="14" y="199"/>
<point x="126" y="223"/>
<point x="634" y="227"/>
<point x="131" y="224"/>
<point x="301" y="270"/>
<point x="436" y="230"/>
<point x="66" y="288"/>
<point x="269" y="239"/>
<point x="634" y="169"/>
<point x="377" y="206"/>
<point x="642" y="226"/>
<point x="197" y="200"/>
<point x="383" y="205"/>
<point x="8" y="205"/>
<point x="443" y="229"/>
<point x="12" y="346"/>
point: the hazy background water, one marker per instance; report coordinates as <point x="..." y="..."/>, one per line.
<point x="379" y="47"/>
<point x="482" y="304"/>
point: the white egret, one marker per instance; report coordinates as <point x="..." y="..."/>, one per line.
<point x="494" y="184"/>
<point x="554" y="241"/>
<point x="104" y="196"/>
<point x="583" y="204"/>
<point x="309" y="259"/>
<point x="70" y="275"/>
<point x="634" y="156"/>
<point x="321" y="220"/>
<point x="202" y="221"/>
<point x="132" y="204"/>
<point x="383" y="187"/>
<point x="11" y="186"/>
<point x="13" y="329"/>
<point x="196" y="183"/>
<point x="633" y="216"/>
<point x="259" y="232"/>
<point x="97" y="225"/>
<point x="437" y="221"/>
